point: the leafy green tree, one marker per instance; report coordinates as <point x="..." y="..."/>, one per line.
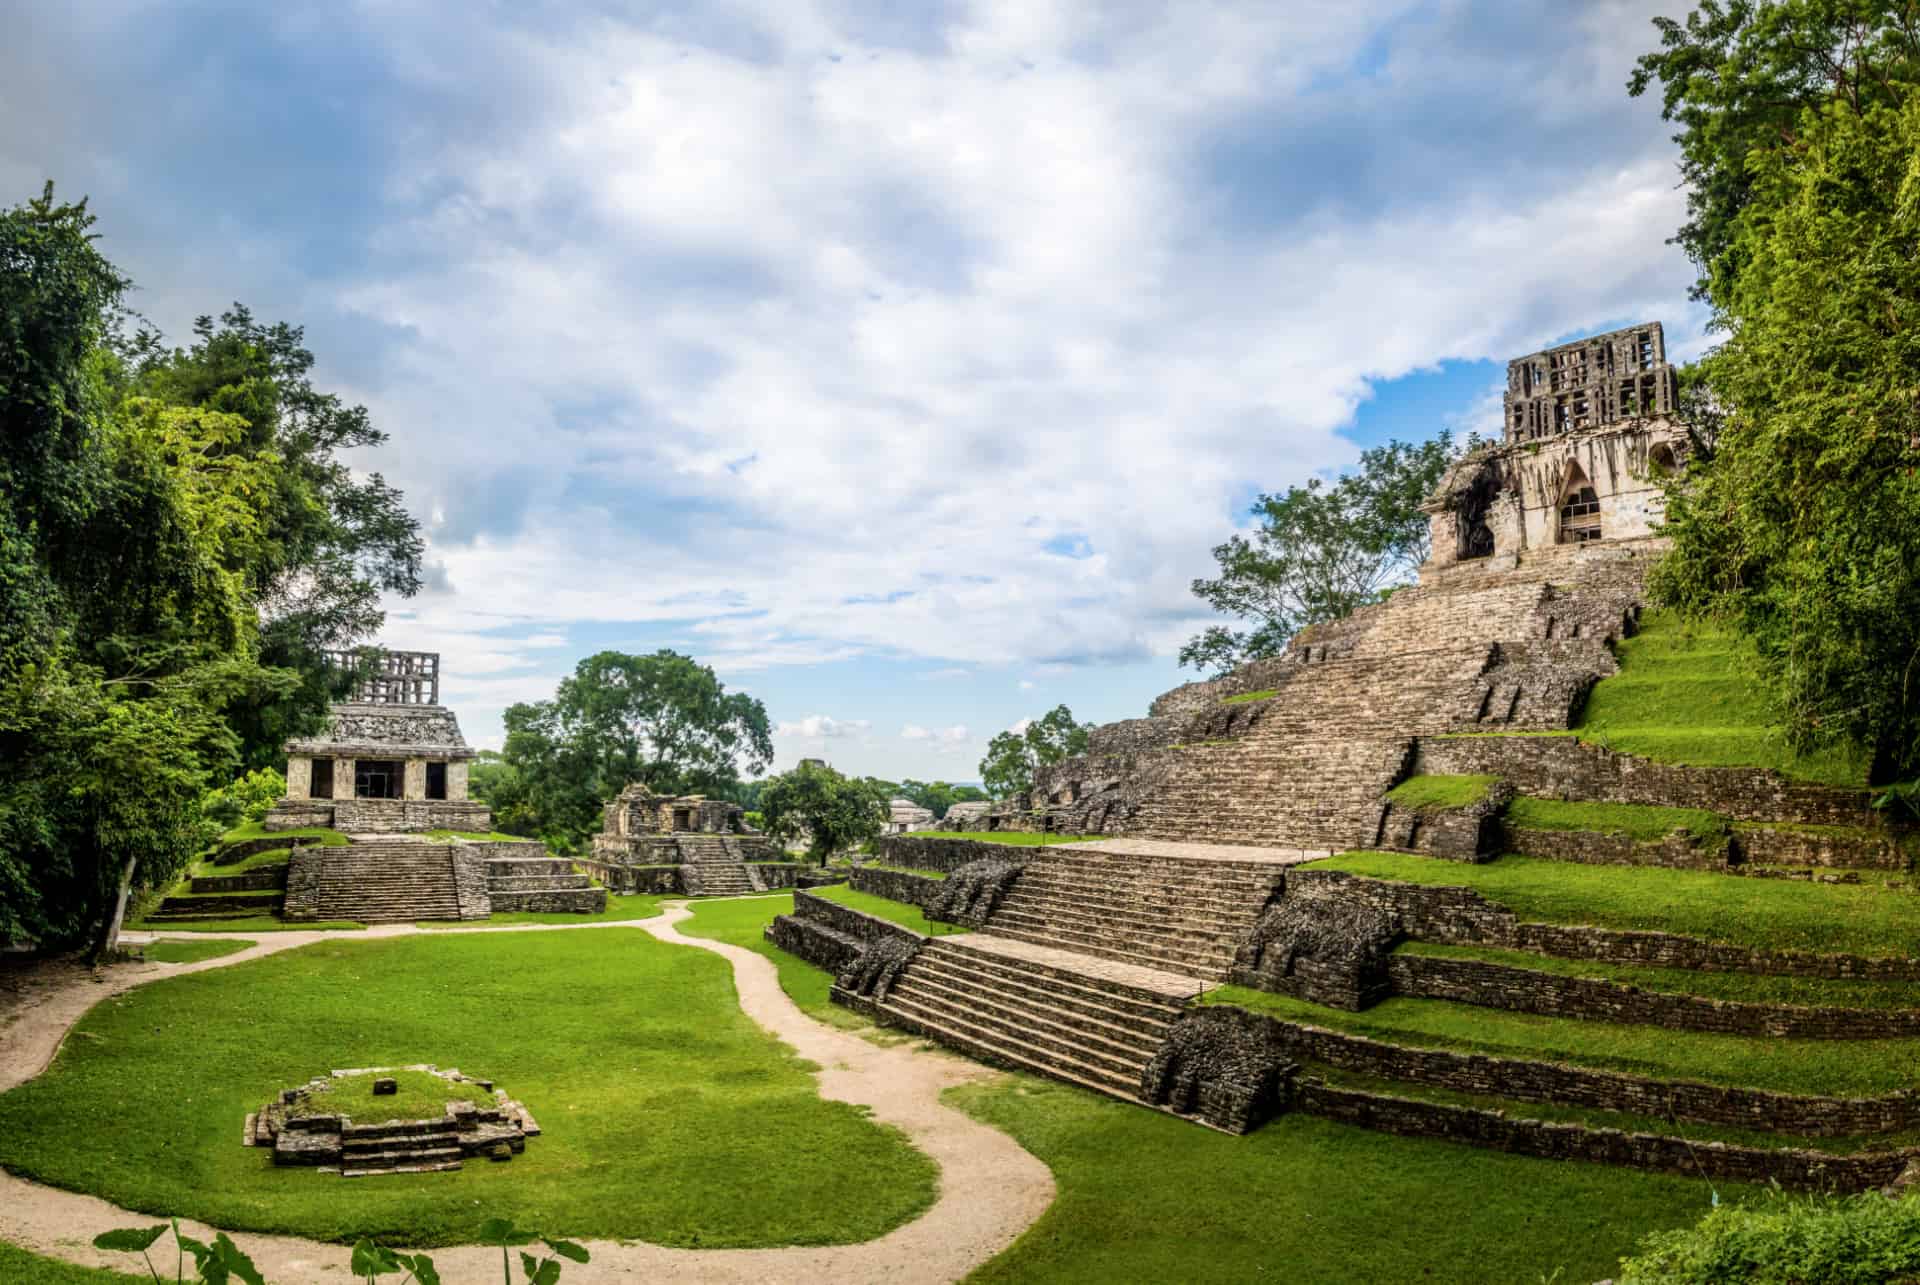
<point x="830" y="811"/>
<point x="1744" y="78"/>
<point x="1804" y="526"/>
<point x="664" y="721"/>
<point x="1013" y="757"/>
<point x="938" y="796"/>
<point x="1320" y="551"/>
<point x="332" y="540"/>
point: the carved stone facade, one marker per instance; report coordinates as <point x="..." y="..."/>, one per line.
<point x="389" y="761"/>
<point x="639" y="827"/>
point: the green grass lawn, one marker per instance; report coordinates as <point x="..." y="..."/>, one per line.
<point x="1146" y="1197"/>
<point x="1019" y="838"/>
<point x="479" y="836"/>
<point x="19" y="1267"/>
<point x="243" y="924"/>
<point x="1687" y="693"/>
<point x="1844" y="1068"/>
<point x="620" y="909"/>
<point x="315" y="834"/>
<point x="271" y="857"/>
<point x="191" y="952"/>
<point x="742" y="921"/>
<point x="1746" y="988"/>
<point x="1440" y="791"/>
<point x="899" y="912"/>
<point x="1864" y="919"/>
<point x="667" y="1115"/>
<point x="1636" y="820"/>
<point x="907" y="870"/>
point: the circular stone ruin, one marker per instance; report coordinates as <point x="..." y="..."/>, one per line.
<point x="398" y="1119"/>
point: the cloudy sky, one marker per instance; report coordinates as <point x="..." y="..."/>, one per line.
<point x="901" y="361"/>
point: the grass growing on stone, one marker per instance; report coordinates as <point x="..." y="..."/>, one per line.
<point x="1018" y="838"/>
<point x="620" y="909"/>
<point x="1744" y="988"/>
<point x="907" y="870"/>
<point x="899" y="912"/>
<point x="419" y="1095"/>
<point x="1440" y="791"/>
<point x="191" y="952"/>
<point x="1686" y="693"/>
<point x="1247" y="698"/>
<point x="271" y="857"/>
<point x="1840" y="1068"/>
<point x="478" y="836"/>
<point x="22" y="1267"/>
<point x="1146" y="1197"/>
<point x="1861" y="919"/>
<point x="313" y="834"/>
<point x="1636" y="820"/>
<point x="668" y="1116"/>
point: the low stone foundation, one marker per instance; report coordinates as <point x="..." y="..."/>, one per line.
<point x="895" y="885"/>
<point x="300" y="1132"/>
<point x="937" y="852"/>
<point x="380" y="816"/>
<point x="1677" y="851"/>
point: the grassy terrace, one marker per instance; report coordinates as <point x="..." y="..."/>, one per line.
<point x="620" y="909"/>
<point x="306" y="834"/>
<point x="1014" y="838"/>
<point x="1742" y="988"/>
<point x="1440" y="791"/>
<point x="899" y="912"/>
<point x="1636" y="820"/>
<point x="191" y="952"/>
<point x="657" y="1095"/>
<point x="418" y="1096"/>
<point x="1863" y="919"/>
<point x="479" y="836"/>
<point x="1686" y="693"/>
<point x="907" y="870"/>
<point x="1844" y="1068"/>
<point x="271" y="857"/>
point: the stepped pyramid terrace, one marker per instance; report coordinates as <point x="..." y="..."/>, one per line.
<point x="1387" y="877"/>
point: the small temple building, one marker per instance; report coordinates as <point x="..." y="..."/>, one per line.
<point x="640" y="827"/>
<point x="1589" y="432"/>
<point x="391" y="759"/>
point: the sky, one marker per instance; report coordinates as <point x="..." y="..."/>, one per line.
<point x="902" y="362"/>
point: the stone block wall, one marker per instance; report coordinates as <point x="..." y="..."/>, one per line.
<point x="914" y="890"/>
<point x="936" y="852"/>
<point x="1678" y="851"/>
<point x="408" y="816"/>
<point x="1762" y="846"/>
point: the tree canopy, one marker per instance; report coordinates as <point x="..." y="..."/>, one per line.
<point x="830" y="811"/>
<point x="1319" y="551"/>
<point x="1014" y="756"/>
<point x="663" y="721"/>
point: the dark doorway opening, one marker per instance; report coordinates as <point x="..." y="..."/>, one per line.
<point x="321" y="786"/>
<point x="436" y="780"/>
<point x="377" y="778"/>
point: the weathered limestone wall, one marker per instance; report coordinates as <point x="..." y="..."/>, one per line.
<point x="299" y="776"/>
<point x="894" y="885"/>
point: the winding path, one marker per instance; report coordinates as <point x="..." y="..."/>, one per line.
<point x="990" y="1189"/>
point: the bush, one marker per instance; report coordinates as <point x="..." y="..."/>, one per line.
<point x="1787" y="1240"/>
<point x="245" y="801"/>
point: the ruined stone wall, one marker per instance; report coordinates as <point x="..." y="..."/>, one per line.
<point x="408" y="816"/>
<point x="894" y="885"/>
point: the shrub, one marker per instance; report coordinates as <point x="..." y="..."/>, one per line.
<point x="246" y="800"/>
<point x="1787" y="1240"/>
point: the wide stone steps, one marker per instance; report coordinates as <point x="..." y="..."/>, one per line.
<point x="1194" y="932"/>
<point x="1104" y="999"/>
<point x="1141" y="955"/>
<point x="1024" y="1032"/>
<point x="966" y="1038"/>
<point x="719" y="878"/>
<point x="386" y="881"/>
<point x="964" y="994"/>
<point x="1222" y="916"/>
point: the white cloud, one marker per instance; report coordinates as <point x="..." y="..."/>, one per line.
<point x="820" y="727"/>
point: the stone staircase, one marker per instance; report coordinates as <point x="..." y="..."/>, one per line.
<point x="1173" y="914"/>
<point x="1040" y="1009"/>
<point x="408" y="1146"/>
<point x="713" y="865"/>
<point x="381" y="881"/>
<point x="541" y="883"/>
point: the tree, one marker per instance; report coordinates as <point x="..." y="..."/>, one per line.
<point x="1014" y="756"/>
<point x="663" y="721"/>
<point x="938" y="796"/>
<point x="830" y="811"/>
<point x="1804" y="526"/>
<point x="1743" y="78"/>
<point x="332" y="540"/>
<point x="1320" y="551"/>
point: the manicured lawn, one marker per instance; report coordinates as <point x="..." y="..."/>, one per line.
<point x="18" y="1267"/>
<point x="1686" y="693"/>
<point x="271" y="857"/>
<point x="1743" y="987"/>
<point x="899" y="912"/>
<point x="1017" y="838"/>
<point x="1146" y="1197"/>
<point x="1863" y="919"/>
<point x="192" y="952"/>
<point x="667" y="1115"/>
<point x="620" y="909"/>
<point x="1842" y="1068"/>
<point x="1634" y="819"/>
<point x="245" y="924"/>
<point x="742" y="921"/>
<point x="1440" y="791"/>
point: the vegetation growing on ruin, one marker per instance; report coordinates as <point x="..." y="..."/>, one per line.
<point x="1436" y="791"/>
<point x="475" y="836"/>
<point x="1686" y="693"/>
<point x="899" y="912"/>
<point x="190" y="952"/>
<point x="1637" y="820"/>
<point x="1247" y="698"/>
<point x="206" y="867"/>
<point x="1783" y="1239"/>
<point x="1863" y="919"/>
<point x="1025" y="838"/>
<point x="619" y="909"/>
<point x="418" y="1095"/>
<point x="1305" y="1199"/>
<point x="1842" y="1068"/>
<point x="310" y="834"/>
<point x="1746" y="988"/>
<point x="592" y="1030"/>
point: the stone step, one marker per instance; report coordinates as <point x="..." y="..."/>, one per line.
<point x="1102" y="915"/>
<point x="1011" y="1030"/>
<point x="1014" y="1006"/>
<point x="1139" y="958"/>
<point x="362" y="1134"/>
<point x="963" y="972"/>
<point x="1198" y="901"/>
<point x="1171" y="870"/>
<point x="991" y="1047"/>
<point x="537" y="883"/>
<point x="1073" y="933"/>
<point x="583" y="901"/>
<point x="1131" y="985"/>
